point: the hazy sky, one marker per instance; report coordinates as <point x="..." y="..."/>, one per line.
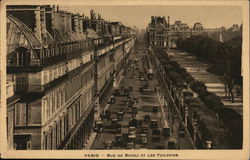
<point x="139" y="16"/>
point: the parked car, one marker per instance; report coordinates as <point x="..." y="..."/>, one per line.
<point x="98" y="126"/>
<point x="118" y="139"/>
<point x="144" y="129"/>
<point x="136" y="100"/>
<point x="143" y="139"/>
<point x="130" y="145"/>
<point x="120" y="116"/>
<point x="147" y="118"/>
<point x="130" y="88"/>
<point x="154" y="123"/>
<point x="156" y="134"/>
<point x="181" y="131"/>
<point x="114" y="122"/>
<point x="108" y="144"/>
<point x="132" y="130"/>
<point x="111" y="100"/>
<point x="166" y="129"/>
<point x="116" y="92"/>
<point x="133" y="123"/>
<point x="142" y="79"/>
<point x="171" y="145"/>
<point x="155" y="109"/>
<point x="140" y="89"/>
<point x="131" y="137"/>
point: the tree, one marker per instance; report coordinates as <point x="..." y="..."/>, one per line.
<point x="198" y="86"/>
<point x="225" y="58"/>
<point x="213" y="102"/>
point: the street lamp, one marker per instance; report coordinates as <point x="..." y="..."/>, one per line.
<point x="179" y="135"/>
<point x="186" y="115"/>
<point x="195" y="125"/>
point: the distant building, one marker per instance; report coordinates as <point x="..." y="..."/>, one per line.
<point x="163" y="34"/>
<point x="158" y="32"/>
<point x="223" y="35"/>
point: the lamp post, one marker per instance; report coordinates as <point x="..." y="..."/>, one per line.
<point x="195" y="125"/>
<point x="186" y="115"/>
<point x="179" y="135"/>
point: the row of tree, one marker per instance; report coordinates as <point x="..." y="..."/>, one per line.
<point x="224" y="58"/>
<point x="179" y="77"/>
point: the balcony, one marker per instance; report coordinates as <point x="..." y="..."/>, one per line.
<point x="49" y="56"/>
<point x="43" y="89"/>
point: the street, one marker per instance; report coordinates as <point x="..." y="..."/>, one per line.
<point x="136" y="78"/>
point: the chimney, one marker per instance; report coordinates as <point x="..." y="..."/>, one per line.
<point x="155" y="21"/>
<point x="164" y="21"/>
<point x="38" y="29"/>
<point x="152" y="19"/>
<point x="80" y="24"/>
<point x="43" y="25"/>
<point x="168" y="22"/>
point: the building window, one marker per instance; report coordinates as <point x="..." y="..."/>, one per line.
<point x="34" y="113"/>
<point x="21" y="114"/>
<point x="45" y="77"/>
<point x="22" y="142"/>
<point x="22" y="84"/>
<point x="50" y="75"/>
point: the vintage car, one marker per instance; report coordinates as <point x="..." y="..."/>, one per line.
<point x="156" y="134"/>
<point x="130" y="145"/>
<point x="98" y="126"/>
<point x="155" y="109"/>
<point x="143" y="139"/>
<point x="144" y="129"/>
<point x="154" y="123"/>
<point x="108" y="144"/>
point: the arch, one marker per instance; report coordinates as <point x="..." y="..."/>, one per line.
<point x="20" y="36"/>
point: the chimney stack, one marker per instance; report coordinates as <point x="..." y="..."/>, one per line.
<point x="168" y="22"/>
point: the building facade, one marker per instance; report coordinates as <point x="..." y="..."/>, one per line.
<point x="163" y="34"/>
<point x="61" y="65"/>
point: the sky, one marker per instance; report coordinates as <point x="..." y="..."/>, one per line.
<point x="140" y="16"/>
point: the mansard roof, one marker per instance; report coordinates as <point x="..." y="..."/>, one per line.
<point x="19" y="35"/>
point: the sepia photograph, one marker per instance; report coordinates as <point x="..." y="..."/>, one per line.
<point x="135" y="77"/>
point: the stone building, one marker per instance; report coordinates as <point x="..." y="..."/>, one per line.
<point x="163" y="34"/>
<point x="62" y="65"/>
<point x="159" y="32"/>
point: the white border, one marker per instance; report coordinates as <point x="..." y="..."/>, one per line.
<point x="182" y="154"/>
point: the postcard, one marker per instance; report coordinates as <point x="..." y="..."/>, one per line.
<point x="125" y="79"/>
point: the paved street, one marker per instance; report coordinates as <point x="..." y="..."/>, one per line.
<point x="146" y="100"/>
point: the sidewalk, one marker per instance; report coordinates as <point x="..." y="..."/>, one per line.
<point x="90" y="141"/>
<point x="93" y="134"/>
<point x="181" y="142"/>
